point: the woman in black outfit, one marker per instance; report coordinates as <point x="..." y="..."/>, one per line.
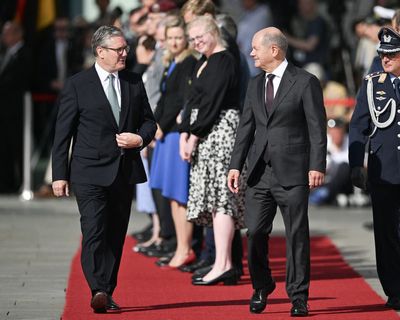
<point x="207" y="138"/>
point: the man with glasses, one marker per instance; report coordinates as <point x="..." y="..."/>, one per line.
<point x="376" y="124"/>
<point x="106" y="112"/>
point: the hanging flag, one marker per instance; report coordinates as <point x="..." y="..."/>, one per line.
<point x="20" y="11"/>
<point x="46" y="14"/>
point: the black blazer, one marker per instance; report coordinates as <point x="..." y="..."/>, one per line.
<point x="85" y="114"/>
<point x="173" y="98"/>
<point x="294" y="134"/>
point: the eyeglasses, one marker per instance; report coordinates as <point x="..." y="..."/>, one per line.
<point x="119" y="51"/>
<point x="198" y="38"/>
<point x="389" y="55"/>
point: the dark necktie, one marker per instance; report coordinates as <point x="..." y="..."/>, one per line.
<point x="396" y="83"/>
<point x="269" y="93"/>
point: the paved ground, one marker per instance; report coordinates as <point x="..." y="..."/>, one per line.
<point x="38" y="239"/>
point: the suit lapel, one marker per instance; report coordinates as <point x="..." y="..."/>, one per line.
<point x="261" y="95"/>
<point x="100" y="95"/>
<point x="284" y="87"/>
<point x="124" y="101"/>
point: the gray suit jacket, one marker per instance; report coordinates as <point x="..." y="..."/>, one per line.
<point x="294" y="134"/>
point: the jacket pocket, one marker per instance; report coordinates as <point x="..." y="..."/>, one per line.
<point x="85" y="153"/>
<point x="297" y="148"/>
<point x="374" y="147"/>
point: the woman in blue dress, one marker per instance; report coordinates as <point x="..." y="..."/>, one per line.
<point x="169" y="172"/>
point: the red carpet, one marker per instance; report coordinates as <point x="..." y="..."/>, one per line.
<point x="148" y="292"/>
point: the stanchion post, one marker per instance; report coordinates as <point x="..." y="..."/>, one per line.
<point x="27" y="193"/>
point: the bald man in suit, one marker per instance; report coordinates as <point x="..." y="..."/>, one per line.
<point x="282" y="133"/>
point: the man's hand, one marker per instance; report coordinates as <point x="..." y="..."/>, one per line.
<point x="60" y="188"/>
<point x="233" y="180"/>
<point x="128" y="140"/>
<point x="159" y="133"/>
<point x="359" y="177"/>
<point x="315" y="179"/>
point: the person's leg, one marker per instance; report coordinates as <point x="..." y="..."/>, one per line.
<point x="224" y="229"/>
<point x="119" y="207"/>
<point x="92" y="206"/>
<point x="184" y="231"/>
<point x="237" y="252"/>
<point x="260" y="213"/>
<point x="293" y="204"/>
<point x="386" y="213"/>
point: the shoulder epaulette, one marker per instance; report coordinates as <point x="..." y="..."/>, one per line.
<point x="373" y="75"/>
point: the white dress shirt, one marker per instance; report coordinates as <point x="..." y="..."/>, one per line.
<point x="103" y="75"/>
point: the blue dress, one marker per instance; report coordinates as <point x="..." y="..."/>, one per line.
<point x="169" y="172"/>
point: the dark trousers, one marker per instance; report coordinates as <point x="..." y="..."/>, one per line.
<point x="386" y="212"/>
<point x="163" y="207"/>
<point x="105" y="215"/>
<point x="262" y="200"/>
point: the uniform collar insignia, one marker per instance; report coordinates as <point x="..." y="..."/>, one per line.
<point x="382" y="77"/>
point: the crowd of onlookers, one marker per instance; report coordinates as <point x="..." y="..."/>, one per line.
<point x="189" y="53"/>
<point x="42" y="64"/>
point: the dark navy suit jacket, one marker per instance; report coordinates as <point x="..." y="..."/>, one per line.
<point x="85" y="114"/>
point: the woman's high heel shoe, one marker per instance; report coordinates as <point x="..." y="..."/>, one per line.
<point x="190" y="258"/>
<point x="229" y="278"/>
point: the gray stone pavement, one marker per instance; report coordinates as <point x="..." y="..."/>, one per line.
<point x="38" y="239"/>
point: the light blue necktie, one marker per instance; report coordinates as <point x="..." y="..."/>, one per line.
<point x="112" y="97"/>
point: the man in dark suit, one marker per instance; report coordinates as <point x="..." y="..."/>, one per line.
<point x="106" y="112"/>
<point x="376" y="123"/>
<point x="282" y="132"/>
<point x="14" y="82"/>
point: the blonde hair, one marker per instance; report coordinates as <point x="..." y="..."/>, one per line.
<point x="210" y="25"/>
<point x="175" y="22"/>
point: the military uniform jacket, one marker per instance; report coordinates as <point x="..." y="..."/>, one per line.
<point x="384" y="146"/>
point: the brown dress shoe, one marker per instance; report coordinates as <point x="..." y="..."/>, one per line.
<point x="99" y="302"/>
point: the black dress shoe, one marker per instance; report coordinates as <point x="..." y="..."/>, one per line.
<point x="299" y="308"/>
<point x="203" y="270"/>
<point x="144" y="234"/>
<point x="198" y="264"/>
<point x="228" y="278"/>
<point x="111" y="304"/>
<point x="393" y="302"/>
<point x="99" y="302"/>
<point x="163" y="261"/>
<point x="166" y="247"/>
<point x="200" y="273"/>
<point x="258" y="301"/>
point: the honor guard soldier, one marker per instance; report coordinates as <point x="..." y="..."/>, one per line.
<point x="376" y="123"/>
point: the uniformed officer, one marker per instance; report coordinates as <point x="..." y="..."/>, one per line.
<point x="376" y="120"/>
